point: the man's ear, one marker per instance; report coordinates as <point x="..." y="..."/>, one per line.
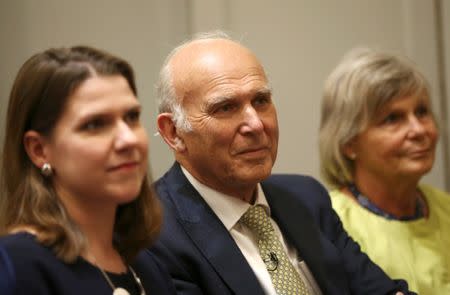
<point x="34" y="144"/>
<point x="168" y="131"/>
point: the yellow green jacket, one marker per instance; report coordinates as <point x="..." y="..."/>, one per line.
<point x="417" y="251"/>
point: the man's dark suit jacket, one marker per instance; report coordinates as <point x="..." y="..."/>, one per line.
<point x="203" y="258"/>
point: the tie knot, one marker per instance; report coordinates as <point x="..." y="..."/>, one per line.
<point x="257" y="220"/>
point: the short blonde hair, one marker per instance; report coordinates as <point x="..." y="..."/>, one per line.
<point x="356" y="89"/>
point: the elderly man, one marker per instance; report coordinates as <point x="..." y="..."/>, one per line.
<point x="230" y="227"/>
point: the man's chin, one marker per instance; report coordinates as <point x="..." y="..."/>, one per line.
<point x="256" y="174"/>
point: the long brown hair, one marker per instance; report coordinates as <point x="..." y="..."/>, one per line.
<point x="37" y="100"/>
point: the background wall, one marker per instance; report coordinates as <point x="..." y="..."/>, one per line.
<point x="298" y="41"/>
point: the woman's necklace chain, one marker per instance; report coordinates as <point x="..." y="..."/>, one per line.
<point x="119" y="290"/>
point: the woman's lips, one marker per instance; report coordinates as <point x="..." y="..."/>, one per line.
<point x="125" y="166"/>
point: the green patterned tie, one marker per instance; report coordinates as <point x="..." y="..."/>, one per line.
<point x="285" y="278"/>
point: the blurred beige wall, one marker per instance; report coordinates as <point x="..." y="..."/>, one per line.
<point x="298" y="41"/>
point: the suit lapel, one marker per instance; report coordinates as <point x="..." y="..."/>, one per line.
<point x="210" y="236"/>
<point x="300" y="229"/>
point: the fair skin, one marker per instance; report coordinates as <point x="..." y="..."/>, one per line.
<point x="224" y="92"/>
<point x="394" y="152"/>
<point x="98" y="152"/>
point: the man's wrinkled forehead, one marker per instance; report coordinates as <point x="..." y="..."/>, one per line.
<point x="204" y="59"/>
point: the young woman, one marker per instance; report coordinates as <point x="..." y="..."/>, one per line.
<point x="77" y="208"/>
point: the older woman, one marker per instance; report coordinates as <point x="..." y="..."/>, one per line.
<point x="77" y="207"/>
<point x="377" y="139"/>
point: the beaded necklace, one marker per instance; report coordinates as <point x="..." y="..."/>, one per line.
<point x="366" y="203"/>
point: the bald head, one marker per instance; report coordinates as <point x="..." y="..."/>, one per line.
<point x="208" y="59"/>
<point x="189" y="64"/>
<point x="220" y="121"/>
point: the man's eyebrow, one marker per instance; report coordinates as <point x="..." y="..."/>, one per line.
<point x="267" y="91"/>
<point x="228" y="97"/>
<point x="220" y="99"/>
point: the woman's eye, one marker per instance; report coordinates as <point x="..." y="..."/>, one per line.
<point x="391" y="118"/>
<point x="133" y="116"/>
<point x="94" y="124"/>
<point x="422" y="111"/>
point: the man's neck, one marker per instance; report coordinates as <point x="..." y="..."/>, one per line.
<point x="246" y="193"/>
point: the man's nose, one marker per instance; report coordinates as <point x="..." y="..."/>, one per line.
<point x="252" y="121"/>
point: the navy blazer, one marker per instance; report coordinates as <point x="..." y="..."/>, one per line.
<point x="203" y="258"/>
<point x="28" y="267"/>
<point x="7" y="279"/>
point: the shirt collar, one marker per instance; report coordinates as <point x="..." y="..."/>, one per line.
<point x="228" y="209"/>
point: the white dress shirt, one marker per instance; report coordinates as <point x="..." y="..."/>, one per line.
<point x="230" y="210"/>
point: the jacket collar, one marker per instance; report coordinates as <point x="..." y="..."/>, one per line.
<point x="209" y="235"/>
